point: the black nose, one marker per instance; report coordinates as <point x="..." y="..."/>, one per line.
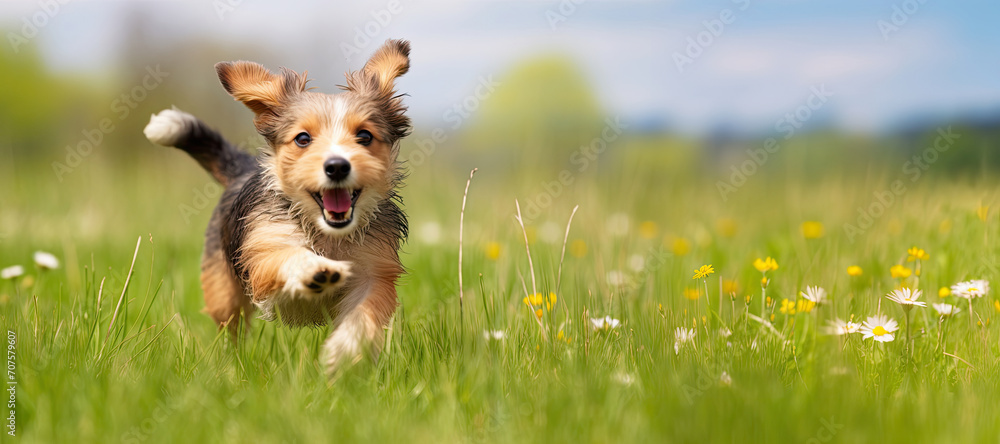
<point x="337" y="168"/>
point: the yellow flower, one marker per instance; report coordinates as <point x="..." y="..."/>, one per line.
<point x="769" y="301"/>
<point x="996" y="305"/>
<point x="763" y="282"/>
<point x="854" y="271"/>
<point x="804" y="306"/>
<point x="899" y="271"/>
<point x="726" y="227"/>
<point x="944" y="292"/>
<point x="538" y="299"/>
<point x="730" y="287"/>
<point x="812" y="229"/>
<point x="748" y="299"/>
<point x="532" y="234"/>
<point x="787" y="307"/>
<point x="493" y="250"/>
<point x="983" y="211"/>
<point x="578" y="248"/>
<point x="563" y="337"/>
<point x="703" y="272"/>
<point x="765" y="265"/>
<point x="538" y="313"/>
<point x="945" y="226"/>
<point x="649" y="230"/>
<point x="680" y="246"/>
<point x="692" y="294"/>
<point x="915" y="253"/>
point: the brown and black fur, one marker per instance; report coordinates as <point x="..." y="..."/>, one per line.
<point x="267" y="248"/>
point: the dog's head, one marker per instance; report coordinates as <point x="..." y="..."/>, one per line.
<point x="333" y="155"/>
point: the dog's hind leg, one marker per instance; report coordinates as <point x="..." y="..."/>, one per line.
<point x="225" y="301"/>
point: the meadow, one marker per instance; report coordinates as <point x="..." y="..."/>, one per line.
<point x="619" y="343"/>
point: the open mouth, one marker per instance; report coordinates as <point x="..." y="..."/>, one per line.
<point x="337" y="205"/>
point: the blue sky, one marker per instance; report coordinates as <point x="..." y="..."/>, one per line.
<point x="943" y="61"/>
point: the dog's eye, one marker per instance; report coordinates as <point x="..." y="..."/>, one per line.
<point x="303" y="139"/>
<point x="364" y="137"/>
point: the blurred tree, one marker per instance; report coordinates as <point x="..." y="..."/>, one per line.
<point x="34" y="104"/>
<point x="542" y="111"/>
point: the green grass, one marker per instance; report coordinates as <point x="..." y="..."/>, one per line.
<point x="161" y="372"/>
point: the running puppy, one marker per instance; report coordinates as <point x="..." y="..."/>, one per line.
<point x="309" y="231"/>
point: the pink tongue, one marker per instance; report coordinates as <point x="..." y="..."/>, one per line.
<point x="337" y="200"/>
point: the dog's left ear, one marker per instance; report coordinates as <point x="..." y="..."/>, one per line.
<point x="378" y="81"/>
<point x="390" y="61"/>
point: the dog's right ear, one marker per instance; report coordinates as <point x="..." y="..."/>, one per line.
<point x="259" y="89"/>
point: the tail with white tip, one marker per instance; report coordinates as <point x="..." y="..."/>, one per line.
<point x="176" y="128"/>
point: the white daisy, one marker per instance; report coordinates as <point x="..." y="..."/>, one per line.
<point x="946" y="309"/>
<point x="605" y="323"/>
<point x="725" y="332"/>
<point x="46" y="261"/>
<point x="971" y="289"/>
<point x="682" y="336"/>
<point x="815" y="294"/>
<point x="618" y="224"/>
<point x="906" y="297"/>
<point x="725" y="379"/>
<point x="637" y="263"/>
<point x="11" y="272"/>
<point x="550" y="232"/>
<point x="879" y="328"/>
<point x="839" y="327"/>
<point x="624" y="378"/>
<point x="617" y="278"/>
<point x="494" y="334"/>
<point x="429" y="232"/>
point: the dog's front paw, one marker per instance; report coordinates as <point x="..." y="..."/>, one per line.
<point x="326" y="276"/>
<point x="317" y="275"/>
